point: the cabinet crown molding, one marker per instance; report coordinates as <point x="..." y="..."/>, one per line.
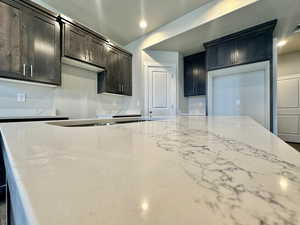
<point x="264" y="27"/>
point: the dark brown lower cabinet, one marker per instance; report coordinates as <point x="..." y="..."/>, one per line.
<point x="29" y="43"/>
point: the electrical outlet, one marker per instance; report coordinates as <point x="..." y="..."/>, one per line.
<point x="21" y="97"/>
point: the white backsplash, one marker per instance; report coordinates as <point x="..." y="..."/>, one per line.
<point x="76" y="98"/>
<point x="197" y="105"/>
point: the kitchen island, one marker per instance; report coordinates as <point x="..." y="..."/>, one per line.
<point x="180" y="171"/>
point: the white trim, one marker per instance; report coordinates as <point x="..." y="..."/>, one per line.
<point x="28" y="82"/>
<point x="274" y="84"/>
<point x="290" y="137"/>
<point x="81" y="65"/>
<point x="146" y="89"/>
<point x="295" y="76"/>
<point x="240" y="69"/>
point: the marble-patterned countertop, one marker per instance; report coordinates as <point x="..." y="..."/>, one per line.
<point x="181" y="171"/>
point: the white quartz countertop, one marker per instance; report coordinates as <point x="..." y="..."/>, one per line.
<point x="181" y="171"/>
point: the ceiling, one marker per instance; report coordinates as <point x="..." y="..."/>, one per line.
<point x="293" y="44"/>
<point x="287" y="12"/>
<point x="119" y="19"/>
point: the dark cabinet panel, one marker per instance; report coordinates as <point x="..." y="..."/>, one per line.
<point x="117" y="77"/>
<point x="75" y="42"/>
<point x="97" y="52"/>
<point x="126" y="74"/>
<point x="248" y="46"/>
<point x="211" y="55"/>
<point x="195" y="75"/>
<point x="113" y="72"/>
<point x="226" y="53"/>
<point x="83" y="46"/>
<point x="188" y="78"/>
<point x="11" y="52"/>
<point x="29" y="42"/>
<point x="44" y="49"/>
<point x="221" y="55"/>
<point x="254" y="48"/>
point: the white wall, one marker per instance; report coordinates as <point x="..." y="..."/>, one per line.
<point x="289" y="64"/>
<point x="197" y="105"/>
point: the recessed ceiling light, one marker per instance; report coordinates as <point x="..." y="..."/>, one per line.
<point x="281" y="43"/>
<point x="143" y="24"/>
<point x="297" y="29"/>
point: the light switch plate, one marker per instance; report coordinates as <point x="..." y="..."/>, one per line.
<point x="21" y="97"/>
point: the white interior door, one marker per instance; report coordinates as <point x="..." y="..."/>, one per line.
<point x="161" y="90"/>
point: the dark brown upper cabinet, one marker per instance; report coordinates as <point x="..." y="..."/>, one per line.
<point x="97" y="52"/>
<point x="252" y="45"/>
<point x="126" y="73"/>
<point x="44" y="49"/>
<point x="195" y="75"/>
<point x="117" y="77"/>
<point x="11" y="40"/>
<point x="81" y="45"/>
<point x="254" y="48"/>
<point x="90" y="48"/>
<point x="30" y="43"/>
<point x="75" y="43"/>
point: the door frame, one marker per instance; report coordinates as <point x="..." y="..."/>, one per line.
<point x="261" y="66"/>
<point x="174" y="84"/>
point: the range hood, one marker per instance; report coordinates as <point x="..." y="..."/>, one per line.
<point x="82" y="65"/>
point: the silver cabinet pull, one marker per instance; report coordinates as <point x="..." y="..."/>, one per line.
<point x="31" y="69"/>
<point x="24" y="69"/>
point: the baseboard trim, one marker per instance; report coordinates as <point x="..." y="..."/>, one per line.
<point x="290" y="138"/>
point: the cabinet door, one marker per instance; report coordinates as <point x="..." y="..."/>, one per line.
<point x="113" y="84"/>
<point x="44" y="35"/>
<point x="97" y="52"/>
<point x="202" y="74"/>
<point x="195" y="75"/>
<point x="226" y="54"/>
<point x="129" y="75"/>
<point x="75" y="43"/>
<point x="212" y="59"/>
<point x="11" y="52"/>
<point x="126" y="74"/>
<point x="221" y="55"/>
<point x="188" y="77"/>
<point x="254" y="48"/>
